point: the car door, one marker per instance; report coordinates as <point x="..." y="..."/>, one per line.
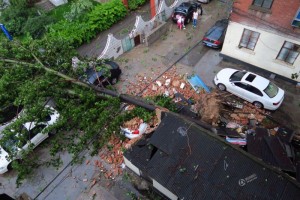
<point x="239" y="89"/>
<point x="255" y="94"/>
<point x="36" y="135"/>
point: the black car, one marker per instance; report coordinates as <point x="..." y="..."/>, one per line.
<point x="214" y="37"/>
<point x="186" y="10"/>
<point x="108" y="74"/>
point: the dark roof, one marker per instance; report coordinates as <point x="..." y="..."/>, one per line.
<point x="270" y="149"/>
<point x="194" y="164"/>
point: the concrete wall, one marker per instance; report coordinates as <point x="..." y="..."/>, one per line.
<point x="141" y="27"/>
<point x="266" y="50"/>
<point x="113" y="46"/>
<point x="131" y="166"/>
<point x="58" y="2"/>
<point x="156" y="33"/>
<point x="164" y="190"/>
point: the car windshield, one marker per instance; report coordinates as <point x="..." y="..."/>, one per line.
<point x="214" y="33"/>
<point x="237" y="76"/>
<point x="10" y="145"/>
<point x="13" y="142"/>
<point x="8" y="113"/>
<point x="180" y="12"/>
<point x="271" y="90"/>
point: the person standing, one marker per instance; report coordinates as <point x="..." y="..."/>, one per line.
<point x="182" y="22"/>
<point x="179" y="25"/>
<point x="195" y="18"/>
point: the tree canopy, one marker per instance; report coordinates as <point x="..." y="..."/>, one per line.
<point x="34" y="71"/>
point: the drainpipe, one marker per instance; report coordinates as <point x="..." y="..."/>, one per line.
<point x="125" y="2"/>
<point x="153" y="8"/>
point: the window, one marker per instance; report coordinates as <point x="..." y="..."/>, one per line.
<point x="250" y="77"/>
<point x="241" y="85"/>
<point x="289" y="52"/>
<point x="263" y="3"/>
<point x="271" y="90"/>
<point x="296" y="21"/>
<point x="237" y="76"/>
<point x="254" y="90"/>
<point x="36" y="130"/>
<point x="249" y="39"/>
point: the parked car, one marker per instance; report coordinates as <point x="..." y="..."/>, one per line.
<point x="34" y="131"/>
<point x="8" y="114"/>
<point x="186" y="10"/>
<point x="251" y="87"/>
<point x="214" y="37"/>
<point x="204" y="1"/>
<point x="103" y="77"/>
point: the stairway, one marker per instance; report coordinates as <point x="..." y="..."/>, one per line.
<point x="45" y="5"/>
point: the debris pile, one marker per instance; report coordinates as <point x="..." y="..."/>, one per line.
<point x="133" y="124"/>
<point x="242" y="113"/>
<point x="111" y="162"/>
<point x="168" y="84"/>
<point x="208" y="107"/>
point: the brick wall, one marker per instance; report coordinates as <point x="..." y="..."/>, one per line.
<point x="279" y="16"/>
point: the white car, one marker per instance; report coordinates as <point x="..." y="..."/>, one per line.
<point x="34" y="132"/>
<point x="8" y="115"/>
<point x="251" y="87"/>
<point x="204" y="1"/>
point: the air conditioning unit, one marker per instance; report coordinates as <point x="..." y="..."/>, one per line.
<point x="296" y="21"/>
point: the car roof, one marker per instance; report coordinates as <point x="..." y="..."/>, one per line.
<point x="255" y="80"/>
<point x="214" y="33"/>
<point x="217" y="29"/>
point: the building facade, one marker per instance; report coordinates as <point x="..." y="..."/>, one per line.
<point x="266" y="34"/>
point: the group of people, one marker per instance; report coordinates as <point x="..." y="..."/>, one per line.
<point x="180" y="20"/>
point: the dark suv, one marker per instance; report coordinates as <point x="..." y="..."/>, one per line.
<point x="108" y="74"/>
<point x="186" y="10"/>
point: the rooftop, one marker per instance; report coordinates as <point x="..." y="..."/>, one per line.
<point x="195" y="164"/>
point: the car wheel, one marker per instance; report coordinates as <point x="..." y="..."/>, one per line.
<point x="114" y="81"/>
<point x="221" y="87"/>
<point x="9" y="167"/>
<point x="188" y="20"/>
<point x="201" y="11"/>
<point x="258" y="104"/>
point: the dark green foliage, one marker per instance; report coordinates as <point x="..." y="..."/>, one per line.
<point x="15" y="16"/>
<point x="21" y="18"/>
<point x="59" y="12"/>
<point x="36" y="26"/>
<point x="165" y="102"/>
<point x="87" y="120"/>
<point x="74" y="32"/>
<point x="100" y="18"/>
<point x="134" y="4"/>
<point x="105" y="15"/>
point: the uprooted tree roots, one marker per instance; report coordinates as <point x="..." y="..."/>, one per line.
<point x="208" y="107"/>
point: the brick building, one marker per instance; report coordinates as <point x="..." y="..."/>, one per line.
<point x="265" y="34"/>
